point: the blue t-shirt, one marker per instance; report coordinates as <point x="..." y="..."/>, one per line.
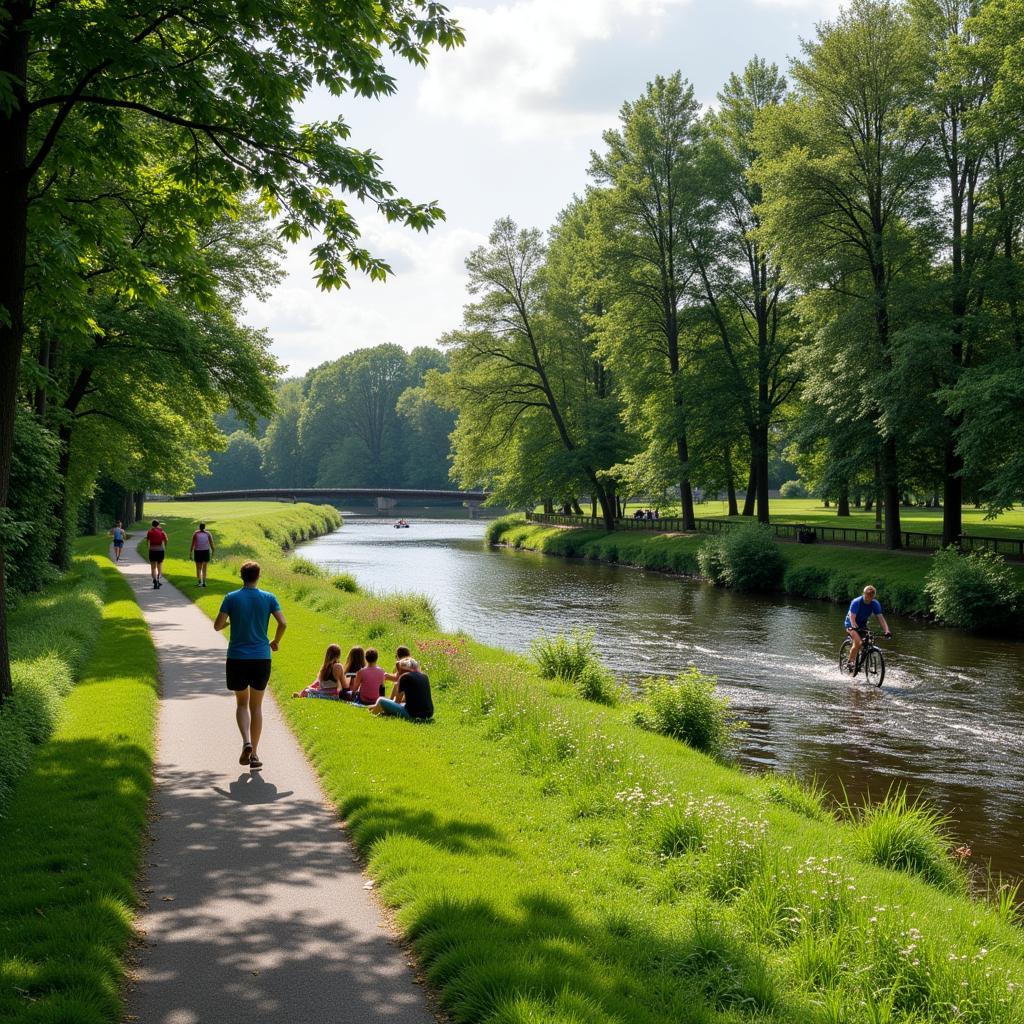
<point x="249" y="610"/>
<point x="862" y="611"/>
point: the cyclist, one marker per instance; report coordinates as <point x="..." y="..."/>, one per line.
<point x="861" y="610"/>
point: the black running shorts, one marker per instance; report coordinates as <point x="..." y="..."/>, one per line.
<point x="156" y="555"/>
<point x="201" y="556"/>
<point x="247" y="672"/>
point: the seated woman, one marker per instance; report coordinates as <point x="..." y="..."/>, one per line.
<point x="353" y="663"/>
<point x="328" y="680"/>
<point x="369" y="681"/>
<point x="413" y="699"/>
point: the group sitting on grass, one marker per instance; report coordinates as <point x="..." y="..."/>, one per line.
<point x="361" y="681"/>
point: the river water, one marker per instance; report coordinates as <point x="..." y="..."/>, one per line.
<point x="948" y="722"/>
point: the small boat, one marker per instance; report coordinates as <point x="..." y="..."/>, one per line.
<point x="401" y="525"/>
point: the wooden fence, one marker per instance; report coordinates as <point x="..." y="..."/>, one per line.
<point x="1005" y="546"/>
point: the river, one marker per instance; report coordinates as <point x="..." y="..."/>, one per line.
<point x="948" y="722"/>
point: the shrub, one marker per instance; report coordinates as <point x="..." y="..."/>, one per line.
<point x="497" y="528"/>
<point x="304" y="567"/>
<point x="598" y="684"/>
<point x="564" y="656"/>
<point x="793" y="489"/>
<point x="710" y="559"/>
<point x="976" y="591"/>
<point x="909" y="836"/>
<point x="687" y="708"/>
<point x="346" y="582"/>
<point x="746" y="558"/>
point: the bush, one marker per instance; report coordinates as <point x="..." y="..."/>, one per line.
<point x="746" y="558"/>
<point x="346" y="582"/>
<point x="572" y="659"/>
<point x="793" y="489"/>
<point x="687" y="708"/>
<point x="564" y="656"/>
<point x="598" y="684"/>
<point x="304" y="567"/>
<point x="975" y="592"/>
<point x="909" y="836"/>
<point x="806" y="798"/>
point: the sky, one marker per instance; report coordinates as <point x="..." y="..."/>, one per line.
<point x="504" y="126"/>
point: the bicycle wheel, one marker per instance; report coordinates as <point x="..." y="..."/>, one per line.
<point x="844" y="655"/>
<point x="874" y="666"/>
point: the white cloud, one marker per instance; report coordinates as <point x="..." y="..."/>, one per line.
<point x="518" y="56"/>
<point x="414" y="307"/>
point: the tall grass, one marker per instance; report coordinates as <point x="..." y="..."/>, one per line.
<point x="908" y="835"/>
<point x="571" y="658"/>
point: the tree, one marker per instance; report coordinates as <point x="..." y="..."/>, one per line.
<point x="740" y="281"/>
<point x="523" y="371"/>
<point x="222" y="81"/>
<point x="653" y="205"/>
<point x="281" y="452"/>
<point x="377" y="376"/>
<point x="846" y="172"/>
<point x="239" y="467"/>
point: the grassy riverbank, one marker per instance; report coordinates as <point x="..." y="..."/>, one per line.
<point x="551" y="862"/>
<point x="820" y="571"/>
<point x="73" y="824"/>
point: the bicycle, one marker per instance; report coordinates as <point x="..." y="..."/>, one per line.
<point x="870" y="659"/>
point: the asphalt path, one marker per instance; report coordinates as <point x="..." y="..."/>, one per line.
<point x="255" y="908"/>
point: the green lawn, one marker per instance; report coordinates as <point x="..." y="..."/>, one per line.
<point x="919" y="520"/>
<point x="554" y="864"/>
<point x="72" y="835"/>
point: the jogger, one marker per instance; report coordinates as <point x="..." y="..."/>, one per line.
<point x="247" y="668"/>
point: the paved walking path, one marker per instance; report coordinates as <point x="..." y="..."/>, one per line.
<point x="257" y="910"/>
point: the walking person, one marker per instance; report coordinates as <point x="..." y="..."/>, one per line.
<point x="119" y="537"/>
<point x="247" y="668"/>
<point x="157" y="541"/>
<point x="201" y="551"/>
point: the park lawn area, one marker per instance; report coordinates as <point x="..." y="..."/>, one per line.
<point x="72" y="832"/>
<point x="552" y="863"/>
<point x="1009" y="524"/>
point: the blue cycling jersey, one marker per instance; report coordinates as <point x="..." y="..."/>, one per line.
<point x="861" y="611"/>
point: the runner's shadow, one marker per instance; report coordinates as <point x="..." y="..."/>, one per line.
<point x="252" y="788"/>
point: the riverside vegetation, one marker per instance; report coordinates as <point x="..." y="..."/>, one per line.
<point x="977" y="591"/>
<point x="550" y="861"/>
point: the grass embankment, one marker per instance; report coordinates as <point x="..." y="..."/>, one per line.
<point x="71" y="834"/>
<point x="816" y="571"/>
<point x="552" y="862"/>
<point x="810" y="511"/>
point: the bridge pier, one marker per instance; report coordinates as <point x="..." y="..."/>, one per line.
<point x="473" y="507"/>
<point x="386" y="504"/>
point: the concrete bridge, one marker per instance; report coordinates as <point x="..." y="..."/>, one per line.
<point x="386" y="497"/>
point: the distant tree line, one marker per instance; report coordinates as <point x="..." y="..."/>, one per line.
<point x="363" y="420"/>
<point x="829" y="266"/>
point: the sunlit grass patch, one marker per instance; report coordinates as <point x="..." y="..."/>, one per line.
<point x="73" y="832"/>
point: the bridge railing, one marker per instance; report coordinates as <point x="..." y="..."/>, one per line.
<point x="1008" y="547"/>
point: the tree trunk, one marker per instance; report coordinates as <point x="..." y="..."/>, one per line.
<point x="891" y="490"/>
<point x="13" y="233"/>
<point x="92" y="525"/>
<point x="952" y="494"/>
<point x="549" y="507"/>
<point x="828" y="504"/>
<point x="878" y="495"/>
<point x="593" y="507"/>
<point x="856" y="499"/>
<point x="140" y="506"/>
<point x="843" y="504"/>
<point x="730" y="484"/>
<point x="761" y="457"/>
<point x="751" y="497"/>
<point x="869" y="502"/>
<point x="60" y="553"/>
<point x="576" y="508"/>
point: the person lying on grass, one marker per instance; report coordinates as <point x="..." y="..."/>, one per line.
<point x="329" y="680"/>
<point x="368" y="685"/>
<point x="413" y="699"/>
